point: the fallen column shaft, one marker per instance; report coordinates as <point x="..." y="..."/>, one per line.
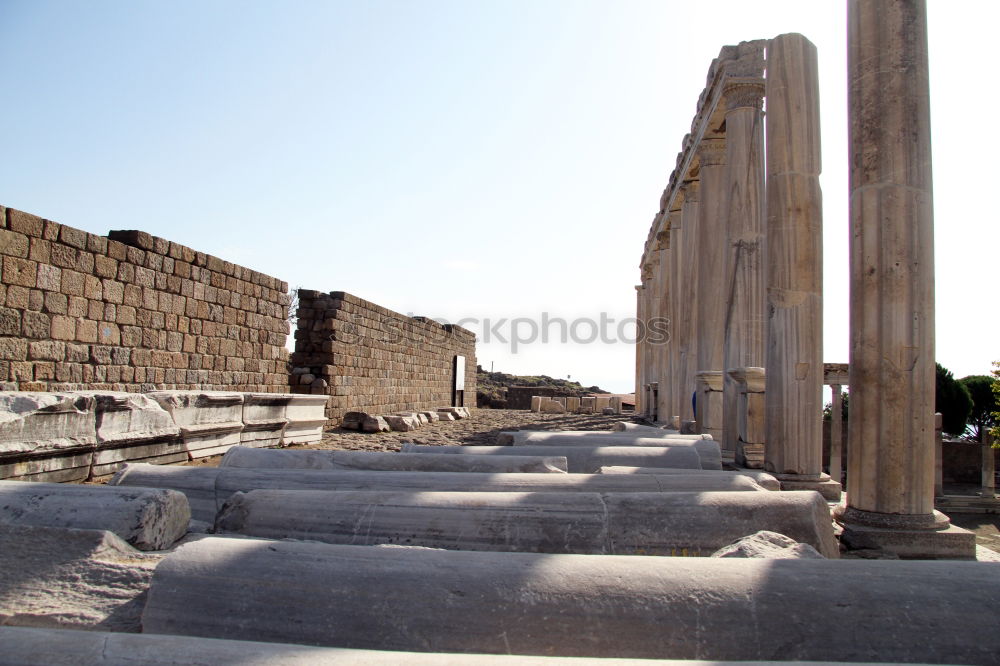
<point x="708" y="449"/>
<point x="694" y="524"/>
<point x="147" y="518"/>
<point x="63" y="647"/>
<point x="514" y="437"/>
<point x="388" y="461"/>
<point x="763" y="479"/>
<point x="583" y="459"/>
<point x="226" y="481"/>
<point x="577" y="605"/>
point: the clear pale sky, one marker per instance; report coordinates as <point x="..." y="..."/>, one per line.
<point x="454" y="159"/>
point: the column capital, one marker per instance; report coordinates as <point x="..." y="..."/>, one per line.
<point x="743" y="93"/>
<point x="712" y="152"/>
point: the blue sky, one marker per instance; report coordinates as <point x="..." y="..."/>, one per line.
<point x="451" y="159"/>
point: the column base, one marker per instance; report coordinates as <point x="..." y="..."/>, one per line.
<point x="821" y="483"/>
<point x="915" y="537"/>
<point x="749" y="455"/>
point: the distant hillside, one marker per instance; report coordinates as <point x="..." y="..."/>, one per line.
<point x="491" y="387"/>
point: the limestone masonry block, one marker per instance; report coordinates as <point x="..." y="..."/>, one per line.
<point x="59" y="427"/>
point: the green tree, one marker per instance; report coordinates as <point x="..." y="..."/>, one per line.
<point x="952" y="399"/>
<point x="984" y="405"/>
<point x="995" y="430"/>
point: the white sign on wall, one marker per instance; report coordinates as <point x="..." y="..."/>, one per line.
<point x="459" y="373"/>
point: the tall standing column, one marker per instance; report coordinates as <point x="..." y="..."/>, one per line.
<point x="686" y="328"/>
<point x="640" y="406"/>
<point x="711" y="281"/>
<point x="744" y="187"/>
<point x="794" y="399"/>
<point x="661" y="348"/>
<point x="890" y="465"/>
<point x="677" y="265"/>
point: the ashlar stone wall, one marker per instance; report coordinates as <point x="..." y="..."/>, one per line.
<point x="132" y="312"/>
<point x="371" y="359"/>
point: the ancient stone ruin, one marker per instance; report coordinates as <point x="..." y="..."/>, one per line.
<point x="643" y="541"/>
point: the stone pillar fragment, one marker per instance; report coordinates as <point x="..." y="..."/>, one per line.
<point x="750" y="424"/>
<point x="709" y="408"/>
<point x="794" y="399"/>
<point x="836" y="432"/>
<point x="685" y="330"/>
<point x="890" y="475"/>
<point x="744" y="286"/>
<point x="989" y="467"/>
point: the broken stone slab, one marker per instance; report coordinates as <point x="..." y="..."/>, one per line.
<point x="132" y="427"/>
<point x="432" y="417"/>
<point x="147" y="518"/>
<point x="769" y="545"/>
<point x="551" y="406"/>
<point x="210" y="421"/>
<point x="46" y="436"/>
<point x="763" y="479"/>
<point x="401" y="423"/>
<point x="306" y="416"/>
<point x="446" y="416"/>
<point x="264" y="418"/>
<point x="421" y="418"/>
<point x="66" y="647"/>
<point x="375" y="424"/>
<point x="63" y="577"/>
<point x="389" y="461"/>
<point x="686" y="524"/>
<point x="222" y="482"/>
<point x="655" y="431"/>
<point x="354" y="420"/>
<point x="457" y="412"/>
<point x="583" y="459"/>
<point x="619" y="606"/>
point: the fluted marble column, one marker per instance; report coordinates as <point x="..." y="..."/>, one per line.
<point x="639" y="354"/>
<point x="711" y="302"/>
<point x="744" y="186"/>
<point x="794" y="398"/>
<point x="661" y="348"/>
<point x="687" y="335"/>
<point x="836" y="432"/>
<point x="678" y="266"/>
<point x="890" y="466"/>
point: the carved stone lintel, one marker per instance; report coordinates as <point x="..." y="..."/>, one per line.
<point x="743" y="93"/>
<point x="712" y="152"/>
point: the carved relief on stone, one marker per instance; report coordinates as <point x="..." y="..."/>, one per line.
<point x="712" y="152"/>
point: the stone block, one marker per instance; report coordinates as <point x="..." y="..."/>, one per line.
<point x="551" y="406"/>
<point x="132" y="427"/>
<point x="13" y="244"/>
<point x="264" y="418"/>
<point x="58" y="577"/>
<point x="146" y="518"/>
<point x="306" y="416"/>
<point x="60" y="426"/>
<point x="587" y="404"/>
<point x="770" y="546"/>
<point x="446" y="416"/>
<point x="210" y="421"/>
<point x="375" y="424"/>
<point x="353" y="420"/>
<point x="536" y="403"/>
<point x="572" y="405"/>
<point x="401" y="423"/>
<point x="432" y="417"/>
